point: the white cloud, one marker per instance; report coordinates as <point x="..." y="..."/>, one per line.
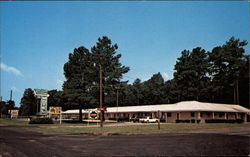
<point x="10" y="69"/>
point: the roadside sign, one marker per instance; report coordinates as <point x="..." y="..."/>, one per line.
<point x="93" y="114"/>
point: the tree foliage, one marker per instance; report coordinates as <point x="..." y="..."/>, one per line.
<point x="54" y="98"/>
<point x="228" y="63"/>
<point x="6" y="106"/>
<point x="81" y="88"/>
<point x="221" y="76"/>
<point x="192" y="74"/>
<point x="28" y="103"/>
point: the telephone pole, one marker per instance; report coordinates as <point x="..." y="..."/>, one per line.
<point x="100" y="84"/>
<point x="117" y="102"/>
<point x="101" y="111"/>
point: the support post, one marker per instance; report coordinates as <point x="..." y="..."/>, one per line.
<point x="199" y="115"/>
<point x="159" y="127"/>
<point x="60" y="117"/>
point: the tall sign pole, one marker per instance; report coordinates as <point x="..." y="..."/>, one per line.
<point x="11" y="95"/>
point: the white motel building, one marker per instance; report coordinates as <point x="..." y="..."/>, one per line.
<point x="186" y="110"/>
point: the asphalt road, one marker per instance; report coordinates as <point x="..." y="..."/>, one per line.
<point x="18" y="142"/>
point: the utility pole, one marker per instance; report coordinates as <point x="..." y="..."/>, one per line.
<point x="101" y="116"/>
<point x="117" y="102"/>
<point x="100" y="82"/>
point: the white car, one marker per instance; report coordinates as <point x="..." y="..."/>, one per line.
<point x="148" y="120"/>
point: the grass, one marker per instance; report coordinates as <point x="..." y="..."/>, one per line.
<point x="140" y="129"/>
<point x="8" y="122"/>
<point x="14" y="122"/>
<point x="80" y="128"/>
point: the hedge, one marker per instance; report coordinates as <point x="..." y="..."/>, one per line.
<point x="41" y="121"/>
<point x="224" y="121"/>
<point x="188" y="121"/>
<point x="123" y="119"/>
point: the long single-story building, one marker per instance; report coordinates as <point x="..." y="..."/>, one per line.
<point x="186" y="110"/>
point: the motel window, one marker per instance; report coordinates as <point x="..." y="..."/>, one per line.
<point x="169" y="114"/>
<point x="192" y="114"/>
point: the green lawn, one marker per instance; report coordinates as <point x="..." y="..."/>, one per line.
<point x="14" y="122"/>
<point x="139" y="129"/>
<point x="80" y="128"/>
<point x="8" y="122"/>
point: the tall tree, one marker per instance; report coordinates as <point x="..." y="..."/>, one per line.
<point x="137" y="91"/>
<point x="81" y="88"/>
<point x="244" y="78"/>
<point x="227" y="61"/>
<point x="191" y="74"/>
<point x="108" y="64"/>
<point x="28" y="103"/>
<point x="76" y="88"/>
<point x="54" y="98"/>
<point x="153" y="89"/>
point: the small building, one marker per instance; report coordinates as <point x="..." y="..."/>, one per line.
<point x="54" y="112"/>
<point x="42" y="101"/>
<point x="13" y="113"/>
<point x="170" y="113"/>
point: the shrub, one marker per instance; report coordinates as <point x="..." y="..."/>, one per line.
<point x="41" y="121"/>
<point x="162" y="120"/>
<point x="120" y="119"/>
<point x="224" y="121"/>
<point x="182" y="121"/>
<point x="239" y="120"/>
<point x="186" y="121"/>
<point x="112" y="118"/>
<point x="192" y="120"/>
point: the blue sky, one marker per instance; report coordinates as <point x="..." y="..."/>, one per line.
<point x="36" y="37"/>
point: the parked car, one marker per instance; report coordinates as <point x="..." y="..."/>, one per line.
<point x="148" y="120"/>
<point x="134" y="119"/>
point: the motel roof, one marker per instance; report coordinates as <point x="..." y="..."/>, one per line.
<point x="184" y="106"/>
